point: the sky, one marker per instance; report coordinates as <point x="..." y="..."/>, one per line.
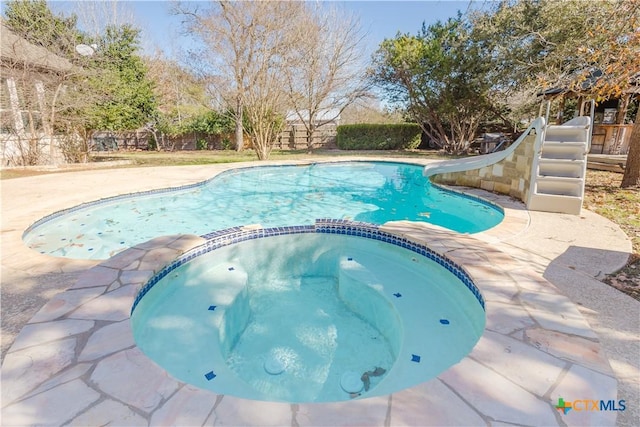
<point x="379" y="19"/>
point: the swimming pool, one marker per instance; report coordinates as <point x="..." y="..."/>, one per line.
<point x="321" y="313"/>
<point x="273" y="196"/>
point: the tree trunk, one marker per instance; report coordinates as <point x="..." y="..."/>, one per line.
<point x="631" y="176"/>
<point x="310" y="134"/>
<point x="239" y="133"/>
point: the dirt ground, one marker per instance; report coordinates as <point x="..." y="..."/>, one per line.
<point x="604" y="196"/>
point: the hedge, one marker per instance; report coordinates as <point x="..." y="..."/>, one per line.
<point x="378" y="136"/>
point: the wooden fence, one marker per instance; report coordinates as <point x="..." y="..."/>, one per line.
<point x="293" y="137"/>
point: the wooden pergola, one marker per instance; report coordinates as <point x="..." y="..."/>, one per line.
<point x="610" y="134"/>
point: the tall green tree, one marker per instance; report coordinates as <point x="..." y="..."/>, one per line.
<point x="108" y="90"/>
<point x="118" y="76"/>
<point x="440" y="77"/>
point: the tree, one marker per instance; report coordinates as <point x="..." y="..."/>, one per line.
<point x="37" y="72"/>
<point x="439" y="75"/>
<point x="244" y="56"/>
<point x="325" y="73"/>
<point x="369" y="110"/>
<point x="128" y="100"/>
<point x="107" y="90"/>
<point x="36" y="23"/>
<point x="180" y="96"/>
<point x="542" y="44"/>
<point x="613" y="46"/>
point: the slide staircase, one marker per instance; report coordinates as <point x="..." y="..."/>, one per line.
<point x="559" y="167"/>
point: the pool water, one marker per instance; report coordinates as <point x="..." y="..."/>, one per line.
<point x="288" y="317"/>
<point x="374" y="192"/>
<point x="323" y="339"/>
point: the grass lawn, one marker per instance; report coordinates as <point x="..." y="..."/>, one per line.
<point x="183" y="158"/>
<point x="603" y="194"/>
<point x="206" y="157"/>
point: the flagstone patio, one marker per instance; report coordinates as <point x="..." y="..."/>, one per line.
<point x="75" y="361"/>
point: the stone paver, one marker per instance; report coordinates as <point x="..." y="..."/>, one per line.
<point x="110" y="413"/>
<point x="76" y="362"/>
<point x="556" y="312"/>
<point x="38" y="333"/>
<point x="189" y="406"/>
<point x="365" y="412"/>
<point x="131" y="377"/>
<point x="497" y="397"/>
<point x="51" y="408"/>
<point x="99" y="276"/>
<point x="507" y="317"/>
<point x="65" y="376"/>
<point x="234" y="411"/>
<point x="113" y="306"/>
<point x="24" y="370"/>
<point x="109" y="339"/>
<point x="531" y="369"/>
<point x="65" y="302"/>
<point x="581" y="384"/>
<point x="575" y="349"/>
<point x="428" y="404"/>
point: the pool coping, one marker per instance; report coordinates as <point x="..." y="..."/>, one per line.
<point x="76" y="361"/>
<point x="35" y="374"/>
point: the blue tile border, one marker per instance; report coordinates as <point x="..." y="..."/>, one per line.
<point x="230" y="236"/>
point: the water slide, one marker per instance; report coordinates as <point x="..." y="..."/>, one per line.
<point x="558" y="164"/>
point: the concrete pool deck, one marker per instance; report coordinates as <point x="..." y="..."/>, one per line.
<point x="552" y="331"/>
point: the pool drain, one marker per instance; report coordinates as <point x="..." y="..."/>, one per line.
<point x="351" y="382"/>
<point x="273" y="366"/>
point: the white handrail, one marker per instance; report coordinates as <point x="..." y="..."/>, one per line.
<point x="477" y="162"/>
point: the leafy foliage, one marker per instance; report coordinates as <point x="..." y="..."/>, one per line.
<point x="34" y="21"/>
<point x="108" y="91"/>
<point x="439" y="75"/>
<point x="180" y="97"/>
<point x="120" y="76"/>
<point x="546" y="43"/>
<point x="211" y="123"/>
<point x="403" y="136"/>
<point x="543" y="43"/>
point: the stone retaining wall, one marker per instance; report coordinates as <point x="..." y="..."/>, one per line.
<point x="511" y="175"/>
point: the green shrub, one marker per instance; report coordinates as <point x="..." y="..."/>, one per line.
<point x="401" y="136"/>
<point x="152" y="144"/>
<point x="201" y="144"/>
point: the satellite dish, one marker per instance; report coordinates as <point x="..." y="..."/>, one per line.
<point x="85" y="50"/>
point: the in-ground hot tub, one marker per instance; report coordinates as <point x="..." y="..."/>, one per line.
<point x="320" y="313"/>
